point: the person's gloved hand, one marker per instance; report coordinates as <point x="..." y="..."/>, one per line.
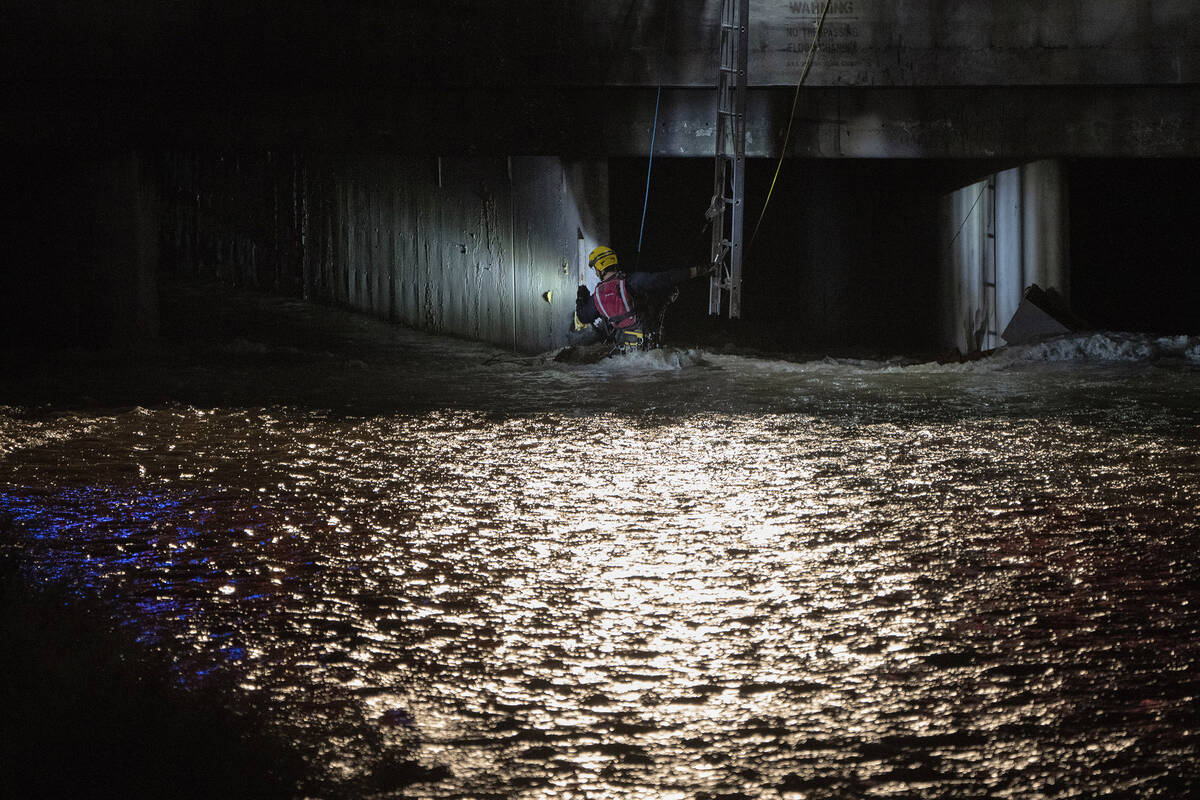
<point x="714" y="268"/>
<point x="582" y="293"/>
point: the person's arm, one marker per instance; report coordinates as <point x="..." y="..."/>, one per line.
<point x="585" y="308"/>
<point x="656" y="281"/>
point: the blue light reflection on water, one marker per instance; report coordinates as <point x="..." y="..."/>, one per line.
<point x="96" y="516"/>
<point x="151" y="550"/>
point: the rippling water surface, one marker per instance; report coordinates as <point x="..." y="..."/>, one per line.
<point x="686" y="574"/>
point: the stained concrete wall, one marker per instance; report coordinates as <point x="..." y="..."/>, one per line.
<point x="485" y="248"/>
<point x="999" y="236"/>
<point x="979" y="42"/>
<point x="590" y="43"/>
<point x="253" y="220"/>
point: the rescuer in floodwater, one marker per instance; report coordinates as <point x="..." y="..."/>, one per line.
<point x="627" y="308"/>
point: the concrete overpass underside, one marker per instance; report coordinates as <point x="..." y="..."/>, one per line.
<point x="447" y="165"/>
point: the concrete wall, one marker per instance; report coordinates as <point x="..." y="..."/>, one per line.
<point x="999" y="236"/>
<point x="484" y="248"/>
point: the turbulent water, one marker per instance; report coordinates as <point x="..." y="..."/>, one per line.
<point x="683" y="574"/>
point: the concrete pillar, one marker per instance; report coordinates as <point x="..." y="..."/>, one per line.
<point x="1010" y="244"/>
<point x="1044" y="238"/>
<point x="999" y="236"/>
<point x="963" y="235"/>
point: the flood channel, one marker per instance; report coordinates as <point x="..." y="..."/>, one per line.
<point x="682" y="574"/>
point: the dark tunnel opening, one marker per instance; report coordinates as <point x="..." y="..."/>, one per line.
<point x="841" y="258"/>
<point x="1134" y="263"/>
<point x="845" y="256"/>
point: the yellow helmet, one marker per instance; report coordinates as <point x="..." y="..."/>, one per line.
<point x="602" y="258"/>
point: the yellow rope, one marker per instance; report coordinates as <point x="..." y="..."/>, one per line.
<point x="812" y="50"/>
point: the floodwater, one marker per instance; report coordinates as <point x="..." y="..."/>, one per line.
<point x="461" y="573"/>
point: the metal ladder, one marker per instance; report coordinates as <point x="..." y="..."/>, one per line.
<point x="727" y="209"/>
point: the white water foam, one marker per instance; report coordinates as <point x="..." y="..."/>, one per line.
<point x="1109" y="347"/>
<point x="634" y="362"/>
<point x="1101" y="347"/>
<point x="667" y="358"/>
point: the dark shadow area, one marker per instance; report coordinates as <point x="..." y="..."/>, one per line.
<point x="88" y="711"/>
<point x="1134" y="264"/>
<point x="218" y="345"/>
<point x="81" y="232"/>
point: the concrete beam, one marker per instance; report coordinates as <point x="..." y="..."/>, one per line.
<point x="1023" y="122"/>
<point x="1019" y="123"/>
<point x="1015" y="122"/>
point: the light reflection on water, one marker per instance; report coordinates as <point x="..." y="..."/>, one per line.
<point x="707" y="573"/>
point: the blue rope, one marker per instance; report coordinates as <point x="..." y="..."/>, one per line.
<point x="646" y="200"/>
<point x="662" y="51"/>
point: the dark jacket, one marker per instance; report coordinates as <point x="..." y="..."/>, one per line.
<point x="642" y="290"/>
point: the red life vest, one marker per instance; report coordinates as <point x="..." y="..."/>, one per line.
<point x="612" y="302"/>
